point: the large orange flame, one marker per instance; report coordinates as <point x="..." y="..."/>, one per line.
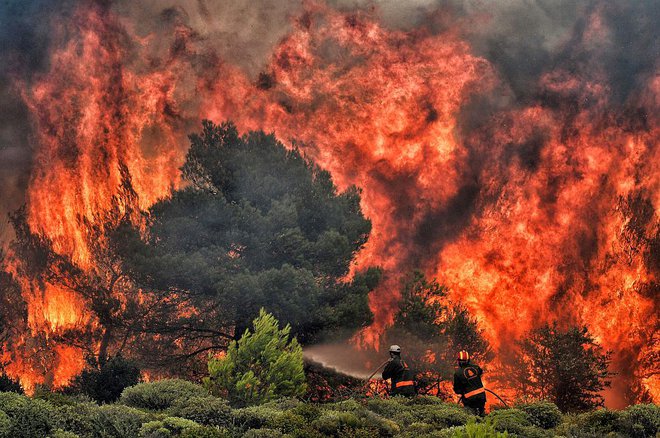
<point x="522" y="215"/>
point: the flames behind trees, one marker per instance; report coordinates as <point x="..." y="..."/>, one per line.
<point x="530" y="207"/>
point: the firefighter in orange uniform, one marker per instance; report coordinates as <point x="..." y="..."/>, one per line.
<point x="397" y="371"/>
<point x="468" y="384"/>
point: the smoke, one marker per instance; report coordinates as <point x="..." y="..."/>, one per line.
<point x="241" y="32"/>
<point x="346" y="358"/>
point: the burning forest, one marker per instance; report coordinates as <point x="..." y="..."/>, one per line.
<point x="383" y="172"/>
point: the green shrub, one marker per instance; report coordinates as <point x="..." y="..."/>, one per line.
<point x="542" y="414"/>
<point x="596" y="424"/>
<point x="417" y="429"/>
<point x="420" y="400"/>
<point x="105" y="382"/>
<point x="208" y="410"/>
<point x="205" y="432"/>
<point x="59" y="433"/>
<point x="360" y="432"/>
<point x="284" y="403"/>
<point x="306" y="432"/>
<point x="442" y="415"/>
<point x="28" y="418"/>
<point x="640" y="421"/>
<point x="5" y="425"/>
<point x="262" y="366"/>
<point x="374" y="422"/>
<point x="349" y="405"/>
<point x="10" y="401"/>
<point x="170" y="427"/>
<point x="309" y="412"/>
<point x="120" y="421"/>
<point x="54" y="398"/>
<point x="394" y="410"/>
<point x="479" y="430"/>
<point x="288" y="422"/>
<point x="601" y="421"/>
<point x="512" y="420"/>
<point x="256" y="417"/>
<point x="331" y="421"/>
<point x="262" y="433"/>
<point x="385" y="407"/>
<point x="160" y="395"/>
<point x="154" y="429"/>
<point x="82" y="419"/>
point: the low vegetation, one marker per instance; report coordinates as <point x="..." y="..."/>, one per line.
<point x="188" y="410"/>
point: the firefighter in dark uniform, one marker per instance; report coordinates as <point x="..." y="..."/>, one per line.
<point x="403" y="382"/>
<point x="468" y="384"/>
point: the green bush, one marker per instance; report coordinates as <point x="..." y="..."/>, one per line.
<point x="374" y="422"/>
<point x="420" y="400"/>
<point x="306" y="432"/>
<point x="256" y="417"/>
<point x="5" y="425"/>
<point x="54" y="398"/>
<point x="105" y="382"/>
<point x="289" y="422"/>
<point x="28" y="418"/>
<point x="262" y="433"/>
<point x="205" y="432"/>
<point x="308" y="411"/>
<point x="332" y="421"/>
<point x="417" y="429"/>
<point x="160" y="395"/>
<point x="511" y="420"/>
<point x="595" y="424"/>
<point x="386" y="407"/>
<point x="176" y="427"/>
<point x="479" y="430"/>
<point x="120" y="421"/>
<point x="10" y="401"/>
<point x="601" y="421"/>
<point x="208" y="410"/>
<point x="542" y="414"/>
<point x="154" y="429"/>
<point x="59" y="433"/>
<point x="262" y="366"/>
<point x="639" y="421"/>
<point x="284" y="403"/>
<point x="442" y="415"/>
<point x="82" y="419"/>
<point x="349" y="405"/>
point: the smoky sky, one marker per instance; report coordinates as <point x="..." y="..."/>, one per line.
<point x="523" y="39"/>
<point x="24" y="44"/>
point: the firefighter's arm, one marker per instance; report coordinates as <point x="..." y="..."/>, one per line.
<point x="457" y="385"/>
<point x="387" y="371"/>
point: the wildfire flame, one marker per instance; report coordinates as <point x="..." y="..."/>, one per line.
<point x="523" y="214"/>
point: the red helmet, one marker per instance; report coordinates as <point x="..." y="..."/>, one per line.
<point x="463" y="355"/>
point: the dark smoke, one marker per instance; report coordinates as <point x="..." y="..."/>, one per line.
<point x="25" y="40"/>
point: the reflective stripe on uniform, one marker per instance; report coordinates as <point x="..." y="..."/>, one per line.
<point x="404" y="383"/>
<point x="473" y="393"/>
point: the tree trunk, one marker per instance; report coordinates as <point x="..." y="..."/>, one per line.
<point x="103" y="348"/>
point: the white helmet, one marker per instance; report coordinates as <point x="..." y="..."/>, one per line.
<point x="395" y="349"/>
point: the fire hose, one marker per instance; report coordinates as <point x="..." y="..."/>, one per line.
<point x="498" y="397"/>
<point x="377" y="369"/>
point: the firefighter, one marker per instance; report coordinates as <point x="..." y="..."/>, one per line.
<point x="397" y="371"/>
<point x="468" y="384"/>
